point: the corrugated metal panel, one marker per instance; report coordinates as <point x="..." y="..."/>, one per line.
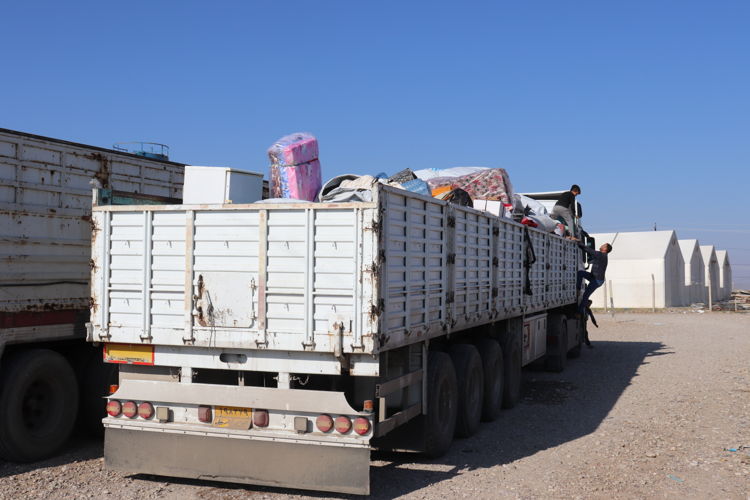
<point x="537" y="301"/>
<point x="262" y="277"/>
<point x="415" y="275"/>
<point x="45" y="210"/>
<point x="509" y="273"/>
<point x="473" y="267"/>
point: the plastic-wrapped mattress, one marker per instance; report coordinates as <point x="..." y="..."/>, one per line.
<point x="484" y="184"/>
<point x="295" y="168"/>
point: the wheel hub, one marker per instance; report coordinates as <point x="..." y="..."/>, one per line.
<point x="37" y="405"/>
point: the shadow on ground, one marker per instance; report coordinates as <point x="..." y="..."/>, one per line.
<point x="556" y="408"/>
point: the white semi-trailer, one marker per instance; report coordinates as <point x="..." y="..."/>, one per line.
<point x="277" y="344"/>
<point x="49" y="375"/>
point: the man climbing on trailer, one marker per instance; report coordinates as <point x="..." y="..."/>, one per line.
<point x="595" y="278"/>
<point x="565" y="207"/>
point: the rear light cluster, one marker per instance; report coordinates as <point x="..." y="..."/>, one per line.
<point x="260" y="418"/>
<point x="342" y="424"/>
<point x="130" y="409"/>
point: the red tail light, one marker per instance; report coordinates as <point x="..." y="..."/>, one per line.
<point x="113" y="388"/>
<point x="204" y="414"/>
<point x="145" y="410"/>
<point x="324" y="423"/>
<point x="129" y="409"/>
<point x="361" y="426"/>
<point x="260" y="418"/>
<point x="114" y="408"/>
<point x="343" y="424"/>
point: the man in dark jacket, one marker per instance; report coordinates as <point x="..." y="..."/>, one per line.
<point x="596" y="276"/>
<point x="565" y="206"/>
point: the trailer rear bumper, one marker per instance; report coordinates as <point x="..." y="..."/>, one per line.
<point x="269" y="463"/>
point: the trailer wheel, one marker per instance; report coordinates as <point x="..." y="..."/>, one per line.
<point x="512" y="372"/>
<point x="442" y="404"/>
<point x="39" y="401"/>
<point x="492" y="367"/>
<point x="470" y="380"/>
<point x="557" y="344"/>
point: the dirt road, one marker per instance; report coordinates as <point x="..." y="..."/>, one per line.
<point x="651" y="412"/>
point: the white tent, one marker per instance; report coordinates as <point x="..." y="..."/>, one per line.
<point x="711" y="273"/>
<point x="645" y="269"/>
<point x="695" y="288"/>
<point x="725" y="275"/>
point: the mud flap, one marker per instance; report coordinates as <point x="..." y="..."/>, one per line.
<point x="269" y="463"/>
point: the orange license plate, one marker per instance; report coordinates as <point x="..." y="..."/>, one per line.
<point x="131" y="354"/>
<point x="232" y="417"/>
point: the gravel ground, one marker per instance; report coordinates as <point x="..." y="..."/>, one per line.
<point x="651" y="412"/>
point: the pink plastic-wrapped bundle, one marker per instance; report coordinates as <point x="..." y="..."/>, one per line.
<point x="294" y="149"/>
<point x="295" y="168"/>
<point x="299" y="182"/>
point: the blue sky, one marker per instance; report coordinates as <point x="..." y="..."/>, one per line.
<point x="646" y="105"/>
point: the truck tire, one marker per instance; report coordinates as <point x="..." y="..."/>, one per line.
<point x="39" y="401"/>
<point x="470" y="380"/>
<point x="512" y="371"/>
<point x="442" y="404"/>
<point x="492" y="367"/>
<point x="557" y="344"/>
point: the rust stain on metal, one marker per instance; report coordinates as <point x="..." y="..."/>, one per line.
<point x="94" y="228"/>
<point x="377" y="310"/>
<point x="376" y="227"/>
<point x="102" y="175"/>
<point x="199" y="298"/>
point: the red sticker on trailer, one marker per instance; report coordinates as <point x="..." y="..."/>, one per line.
<point x="129" y="354"/>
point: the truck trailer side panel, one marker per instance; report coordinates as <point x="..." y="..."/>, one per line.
<point x="358" y="278"/>
<point x="45" y="212"/>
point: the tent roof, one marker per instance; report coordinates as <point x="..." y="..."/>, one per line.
<point x="708" y="253"/>
<point x="637" y="245"/>
<point x="688" y="248"/>
<point x="723" y="257"/>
